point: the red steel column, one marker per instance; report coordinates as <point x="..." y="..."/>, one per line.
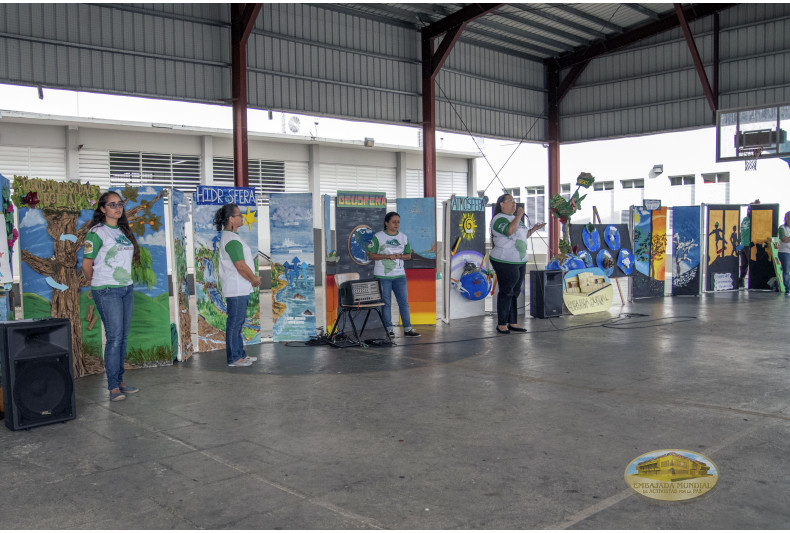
<point x="553" y="83"/>
<point x="428" y="120"/>
<point x="242" y="20"/>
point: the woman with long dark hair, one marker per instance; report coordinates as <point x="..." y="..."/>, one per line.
<point x="389" y="248"/>
<point x="236" y="279"/>
<point x="509" y="258"/>
<point x="110" y="250"/>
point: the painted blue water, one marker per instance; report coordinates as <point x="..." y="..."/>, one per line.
<point x="299" y="297"/>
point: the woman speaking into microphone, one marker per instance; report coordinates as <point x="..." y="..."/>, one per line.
<point x="509" y="258"/>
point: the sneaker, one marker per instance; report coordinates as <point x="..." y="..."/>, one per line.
<point x="391" y="333"/>
<point x="241" y="362"/>
<point x="117" y="396"/>
<point x="251" y="358"/>
<point x="129" y="389"/>
<point x="411" y="333"/>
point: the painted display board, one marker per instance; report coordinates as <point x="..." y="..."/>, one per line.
<point x="587" y="290"/>
<point x="650" y="245"/>
<point x="326" y="202"/>
<point x="293" y="268"/>
<point x="686" y="267"/>
<point x="51" y="283"/>
<point x="465" y="243"/>
<point x="765" y="224"/>
<point x="181" y="212"/>
<point x="604" y="246"/>
<point x="150" y="340"/>
<point x="722" y="255"/>
<point x="211" y="307"/>
<point x="8" y="236"/>
<point x="418" y="222"/>
<point x="358" y="216"/>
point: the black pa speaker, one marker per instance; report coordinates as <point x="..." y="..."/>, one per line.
<point x="36" y="363"/>
<point x="545" y="293"/>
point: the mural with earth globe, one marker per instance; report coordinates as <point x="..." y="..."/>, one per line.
<point x="358" y="241"/>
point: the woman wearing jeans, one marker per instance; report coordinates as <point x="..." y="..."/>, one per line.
<point x="236" y="278"/>
<point x="389" y="248"/>
<point x="509" y="259"/>
<point x="110" y="250"/>
<point x="784" y="251"/>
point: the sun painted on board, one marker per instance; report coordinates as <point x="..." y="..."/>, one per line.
<point x="468" y="226"/>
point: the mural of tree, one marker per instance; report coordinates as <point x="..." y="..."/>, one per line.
<point x="63" y="268"/>
<point x="642" y="246"/>
<point x="681" y="251"/>
<point x="658" y="249"/>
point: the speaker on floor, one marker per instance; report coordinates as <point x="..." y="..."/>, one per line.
<point x="545" y="293"/>
<point x="37" y="376"/>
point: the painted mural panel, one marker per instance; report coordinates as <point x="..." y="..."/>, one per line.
<point x="181" y="215"/>
<point x="358" y="216"/>
<point x="722" y="256"/>
<point x="293" y="268"/>
<point x="418" y="222"/>
<point x="8" y="236"/>
<point x="765" y="222"/>
<point x="686" y="250"/>
<point x="150" y="340"/>
<point x="465" y="234"/>
<point x="650" y="243"/>
<point x="604" y="246"/>
<point x="212" y="311"/>
<point x="51" y="278"/>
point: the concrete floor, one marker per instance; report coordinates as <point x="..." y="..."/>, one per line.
<point x="461" y="428"/>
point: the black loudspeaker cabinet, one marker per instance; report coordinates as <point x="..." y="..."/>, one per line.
<point x="545" y="293"/>
<point x="36" y="363"/>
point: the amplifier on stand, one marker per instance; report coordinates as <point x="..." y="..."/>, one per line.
<point x="359" y="291"/>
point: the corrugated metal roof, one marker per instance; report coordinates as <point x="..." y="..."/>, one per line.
<point x="538" y="31"/>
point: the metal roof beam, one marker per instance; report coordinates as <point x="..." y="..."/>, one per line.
<point x="590" y="18"/>
<point x="370" y="16"/>
<point x="559" y="20"/>
<point x="542" y="27"/>
<point x="667" y="22"/>
<point x="463" y="16"/>
<point x="642" y="10"/>
<point x="703" y="76"/>
<point x="499" y="36"/>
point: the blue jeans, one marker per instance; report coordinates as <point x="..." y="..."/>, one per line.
<point x="398" y="286"/>
<point x="115" y="309"/>
<point x="237" y="314"/>
<point x="784" y="259"/>
<point x="510" y="278"/>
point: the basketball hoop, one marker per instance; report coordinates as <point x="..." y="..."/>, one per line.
<point x="750" y="163"/>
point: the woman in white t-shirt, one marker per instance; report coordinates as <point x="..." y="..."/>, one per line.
<point x="236" y="279"/>
<point x="509" y="258"/>
<point x="784" y="251"/>
<point x="389" y="248"/>
<point x="110" y="250"/>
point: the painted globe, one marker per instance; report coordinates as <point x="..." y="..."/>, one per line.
<point x="358" y="241"/>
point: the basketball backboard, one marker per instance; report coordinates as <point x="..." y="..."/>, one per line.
<point x="753" y="133"/>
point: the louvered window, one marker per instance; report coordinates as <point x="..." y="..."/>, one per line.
<point x="266" y="176"/>
<point x="163" y="170"/>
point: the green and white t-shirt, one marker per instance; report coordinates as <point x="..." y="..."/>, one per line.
<point x="112" y="254"/>
<point x="784" y="231"/>
<point x="508" y="248"/>
<point x="383" y="243"/>
<point x="232" y="249"/>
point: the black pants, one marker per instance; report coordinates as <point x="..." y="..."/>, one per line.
<point x="743" y="256"/>
<point x="510" y="278"/>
